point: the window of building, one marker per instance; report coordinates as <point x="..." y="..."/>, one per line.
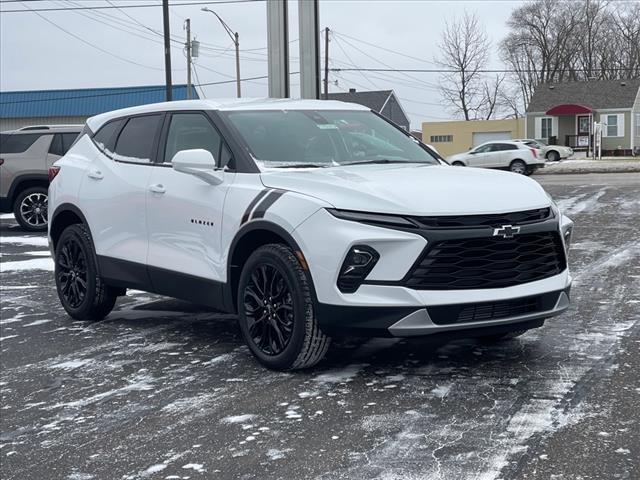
<point x="17" y="143"/>
<point x="614" y="125"/>
<point x="190" y="131"/>
<point x="546" y="125"/>
<point x="441" y="138"/>
<point x="136" y="141"/>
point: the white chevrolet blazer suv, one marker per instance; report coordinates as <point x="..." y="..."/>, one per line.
<point x="308" y="219"/>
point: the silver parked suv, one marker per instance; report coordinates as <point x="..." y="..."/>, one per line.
<point x="25" y="157"/>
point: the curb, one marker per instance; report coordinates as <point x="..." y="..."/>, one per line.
<point x="567" y="171"/>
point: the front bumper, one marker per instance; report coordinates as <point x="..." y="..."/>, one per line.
<point x="386" y="306"/>
<point x="396" y="321"/>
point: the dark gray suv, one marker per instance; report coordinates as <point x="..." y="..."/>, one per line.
<point x="25" y="157"/>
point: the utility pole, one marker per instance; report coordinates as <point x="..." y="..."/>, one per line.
<point x="326" y="63"/>
<point x="188" y="27"/>
<point x="237" y="42"/>
<point x="167" y="49"/>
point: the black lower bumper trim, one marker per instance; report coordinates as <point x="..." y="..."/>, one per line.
<point x="367" y="321"/>
<point x="496" y="310"/>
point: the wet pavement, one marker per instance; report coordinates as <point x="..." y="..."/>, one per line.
<point x="162" y="389"/>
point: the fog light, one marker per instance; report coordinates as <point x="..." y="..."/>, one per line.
<point x="358" y="263"/>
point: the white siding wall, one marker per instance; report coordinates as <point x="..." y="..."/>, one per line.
<point x="15" y="123"/>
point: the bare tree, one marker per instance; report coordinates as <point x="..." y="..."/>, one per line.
<point x="556" y="41"/>
<point x="465" y="52"/>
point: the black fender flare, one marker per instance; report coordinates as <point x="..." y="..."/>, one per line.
<point x="240" y="234"/>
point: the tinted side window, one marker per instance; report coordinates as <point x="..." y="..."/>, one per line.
<point x="508" y="146"/>
<point x="136" y="141"/>
<point x="56" y="145"/>
<point x="105" y="137"/>
<point x="188" y="131"/>
<point x="68" y="139"/>
<point x="17" y="143"/>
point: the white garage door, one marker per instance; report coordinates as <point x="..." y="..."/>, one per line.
<point x="481" y="137"/>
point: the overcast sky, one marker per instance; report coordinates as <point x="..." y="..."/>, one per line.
<point x="35" y="52"/>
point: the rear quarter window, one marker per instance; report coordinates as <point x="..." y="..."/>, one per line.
<point x="17" y="142"/>
<point x="136" y="141"/>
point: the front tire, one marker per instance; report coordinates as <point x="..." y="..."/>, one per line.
<point x="30" y="209"/>
<point x="553" y="156"/>
<point x="518" y="166"/>
<point x="458" y="164"/>
<point x="81" y="290"/>
<point x="276" y="310"/>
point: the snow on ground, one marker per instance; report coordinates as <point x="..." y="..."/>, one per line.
<point x="163" y="389"/>
<point x="33" y="264"/>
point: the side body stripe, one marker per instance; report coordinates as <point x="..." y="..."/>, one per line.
<point x="254" y="202"/>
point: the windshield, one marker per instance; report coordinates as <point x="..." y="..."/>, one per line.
<point x="324" y="138"/>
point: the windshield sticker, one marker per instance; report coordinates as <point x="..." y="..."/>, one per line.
<point x="327" y="126"/>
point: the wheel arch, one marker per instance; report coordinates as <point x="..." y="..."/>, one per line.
<point x="66" y="214"/>
<point x="28" y="180"/>
<point x="250" y="237"/>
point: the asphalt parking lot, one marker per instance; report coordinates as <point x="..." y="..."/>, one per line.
<point x="163" y="389"/>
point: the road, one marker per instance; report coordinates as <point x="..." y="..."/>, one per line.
<point x="163" y="389"/>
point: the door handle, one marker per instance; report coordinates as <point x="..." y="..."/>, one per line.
<point x="95" y="174"/>
<point x="157" y="188"/>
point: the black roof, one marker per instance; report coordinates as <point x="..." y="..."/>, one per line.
<point x="596" y="94"/>
<point x="375" y="100"/>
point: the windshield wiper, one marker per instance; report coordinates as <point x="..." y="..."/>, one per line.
<point x="380" y="160"/>
<point x="300" y="165"/>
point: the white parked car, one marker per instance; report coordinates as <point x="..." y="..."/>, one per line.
<point x="507" y="155"/>
<point x="553" y="153"/>
<point x="306" y="218"/>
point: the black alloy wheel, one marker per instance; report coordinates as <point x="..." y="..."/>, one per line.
<point x="268" y="307"/>
<point x="277" y="311"/>
<point x="82" y="292"/>
<point x="72" y="272"/>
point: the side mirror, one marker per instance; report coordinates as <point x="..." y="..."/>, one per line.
<point x="199" y="163"/>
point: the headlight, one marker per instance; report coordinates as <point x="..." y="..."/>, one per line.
<point x="373" y="218"/>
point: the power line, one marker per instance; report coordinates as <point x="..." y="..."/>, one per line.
<point x="387" y="66"/>
<point x="80" y="39"/>
<point x="109" y="7"/>
<point x="385" y="49"/>
<point x="439" y="70"/>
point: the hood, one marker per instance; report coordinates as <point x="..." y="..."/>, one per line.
<point x="413" y="189"/>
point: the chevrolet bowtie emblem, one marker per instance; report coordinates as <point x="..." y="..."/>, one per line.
<point x="506" y="231"/>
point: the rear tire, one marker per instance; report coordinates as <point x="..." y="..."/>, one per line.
<point x="276" y="310"/>
<point x="518" y="166"/>
<point x="30" y="209"/>
<point x="553" y="156"/>
<point x="81" y="290"/>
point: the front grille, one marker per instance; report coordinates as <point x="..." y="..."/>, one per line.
<point x="479" y="312"/>
<point x="490" y="262"/>
<point x="489" y="220"/>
